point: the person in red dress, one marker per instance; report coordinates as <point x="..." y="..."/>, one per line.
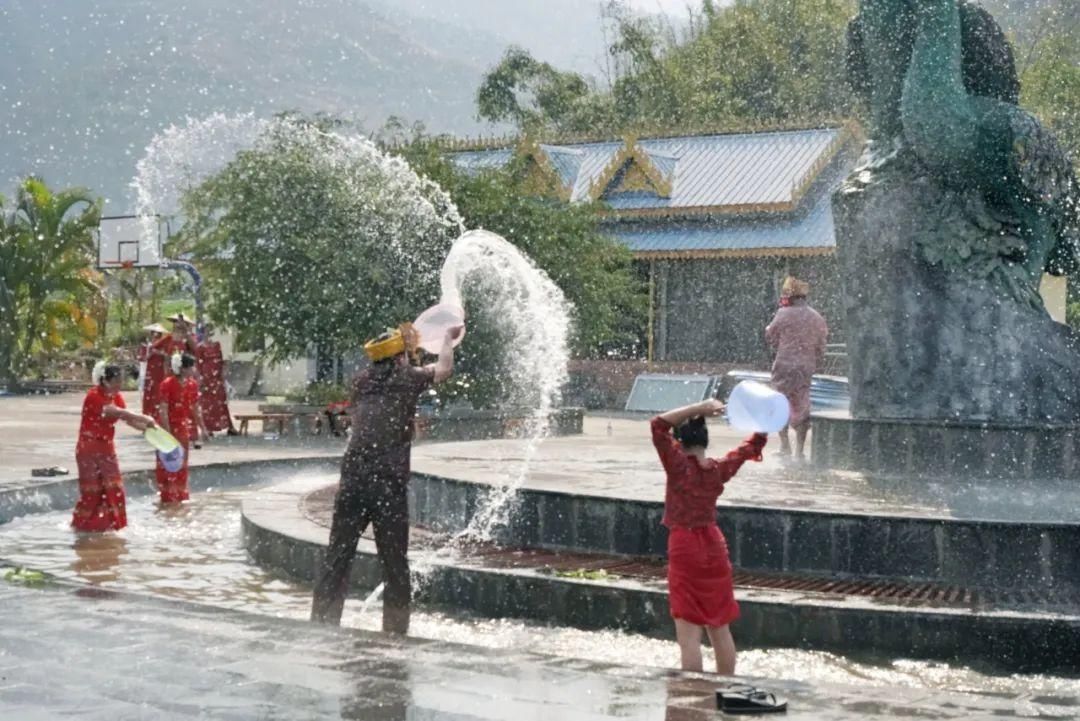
<point x="152" y="367"/>
<point x="181" y="416"/>
<point x="101" y="505"/>
<point x="213" y="398"/>
<point x="181" y="340"/>
<point x="700" y="588"/>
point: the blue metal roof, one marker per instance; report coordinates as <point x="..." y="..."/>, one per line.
<point x="812" y="230"/>
<point x="566" y="161"/>
<point x="706" y="171"/>
<point x="479" y="160"/>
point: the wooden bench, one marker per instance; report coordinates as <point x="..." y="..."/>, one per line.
<point x="279" y="418"/>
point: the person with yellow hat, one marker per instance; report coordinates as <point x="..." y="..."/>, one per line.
<point x="798" y="333"/>
<point x="375" y="472"/>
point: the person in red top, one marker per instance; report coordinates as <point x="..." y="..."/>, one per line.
<point x="213" y="398"/>
<point x="151" y="368"/>
<point x="700" y="588"/>
<point x="157" y="360"/>
<point x="101" y="505"/>
<point x="180" y="415"/>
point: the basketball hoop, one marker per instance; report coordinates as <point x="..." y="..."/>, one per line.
<point x="121" y="244"/>
<point x="117" y="265"/>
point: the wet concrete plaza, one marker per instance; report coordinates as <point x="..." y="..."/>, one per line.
<point x="68" y="652"/>
<point x="170" y="619"/>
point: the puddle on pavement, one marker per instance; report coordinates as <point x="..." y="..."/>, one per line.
<point x="195" y="553"/>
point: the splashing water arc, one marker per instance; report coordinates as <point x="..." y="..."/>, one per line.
<point x="181" y="157"/>
<point x="536" y="315"/>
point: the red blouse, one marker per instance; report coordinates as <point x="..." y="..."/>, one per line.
<point x="96" y="431"/>
<point x="182" y="395"/>
<point x="693" y="487"/>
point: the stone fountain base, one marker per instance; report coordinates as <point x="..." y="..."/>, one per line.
<point x="967" y="450"/>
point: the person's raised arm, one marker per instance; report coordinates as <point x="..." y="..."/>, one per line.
<point x="748" y="450"/>
<point x="444" y="367"/>
<point x="666" y="445"/>
<point x="677" y="416"/>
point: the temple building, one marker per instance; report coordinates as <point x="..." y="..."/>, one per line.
<point x="715" y="221"/>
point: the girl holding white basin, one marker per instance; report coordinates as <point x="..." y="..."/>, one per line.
<point x="700" y="587"/>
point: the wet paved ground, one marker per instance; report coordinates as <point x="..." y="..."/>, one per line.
<point x="95" y="654"/>
<point x="40" y="431"/>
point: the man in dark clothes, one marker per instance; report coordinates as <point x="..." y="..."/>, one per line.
<point x="375" y="474"/>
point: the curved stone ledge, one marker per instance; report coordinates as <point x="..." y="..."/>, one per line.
<point x="952" y="452"/>
<point x="975" y="554"/>
<point x="55" y="495"/>
<point x="280" y="538"/>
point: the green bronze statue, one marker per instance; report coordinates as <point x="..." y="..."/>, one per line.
<point x="961" y="203"/>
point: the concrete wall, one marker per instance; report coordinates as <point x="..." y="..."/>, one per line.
<point x="717" y="310"/>
<point x="274" y="380"/>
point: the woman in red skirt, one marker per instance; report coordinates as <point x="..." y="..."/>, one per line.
<point x="152" y="368"/>
<point x="700" y="589"/>
<point x="101" y="505"/>
<point x="180" y="415"/>
<point x="213" y="397"/>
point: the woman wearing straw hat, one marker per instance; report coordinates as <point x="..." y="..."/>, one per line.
<point x="101" y="505"/>
<point x="798" y="333"/>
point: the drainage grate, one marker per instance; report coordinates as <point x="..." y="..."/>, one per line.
<point x="651" y="569"/>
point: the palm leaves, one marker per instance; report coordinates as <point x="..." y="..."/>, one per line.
<point x="46" y="251"/>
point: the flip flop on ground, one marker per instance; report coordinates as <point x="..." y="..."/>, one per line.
<point x="49" y="472"/>
<point x="749" y="701"/>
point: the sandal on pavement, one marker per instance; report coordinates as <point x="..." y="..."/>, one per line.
<point x="49" y="472"/>
<point x="752" y="702"/>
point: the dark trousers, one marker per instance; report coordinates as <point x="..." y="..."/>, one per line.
<point x="376" y="497"/>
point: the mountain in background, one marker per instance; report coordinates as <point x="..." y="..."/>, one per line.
<point x="86" y="84"/>
<point x="566" y="33"/>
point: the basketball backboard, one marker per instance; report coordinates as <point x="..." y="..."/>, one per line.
<point x="121" y="243"/>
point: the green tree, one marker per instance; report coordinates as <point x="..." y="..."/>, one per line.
<point x="756" y="61"/>
<point x="534" y="94"/>
<point x="318" y="239"/>
<point x="46" y="271"/>
<point x="1049" y="59"/>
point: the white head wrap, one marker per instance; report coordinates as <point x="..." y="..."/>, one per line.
<point x="98" y="373"/>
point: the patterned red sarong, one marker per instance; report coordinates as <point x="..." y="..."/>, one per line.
<point x="181" y="395"/>
<point x="102" y="505"/>
<point x="213" y="397"/>
<point x="700" y="586"/>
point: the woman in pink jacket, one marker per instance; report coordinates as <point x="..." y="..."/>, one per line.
<point x="798" y="333"/>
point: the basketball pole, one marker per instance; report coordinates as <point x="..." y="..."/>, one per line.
<point x="196" y="279"/>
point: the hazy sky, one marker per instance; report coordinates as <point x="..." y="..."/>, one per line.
<point x="668" y="6"/>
